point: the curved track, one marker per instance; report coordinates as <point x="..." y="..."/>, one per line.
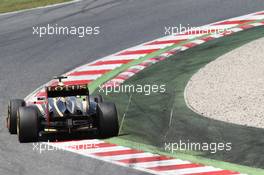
<point x="27" y="61"/>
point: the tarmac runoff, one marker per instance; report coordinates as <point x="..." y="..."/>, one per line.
<point x="231" y="88"/>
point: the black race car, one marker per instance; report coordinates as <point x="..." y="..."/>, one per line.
<point x="64" y="108"/>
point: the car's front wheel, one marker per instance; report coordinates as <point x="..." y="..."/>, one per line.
<point x="27" y="124"/>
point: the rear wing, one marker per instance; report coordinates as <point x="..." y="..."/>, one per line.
<point x="67" y="90"/>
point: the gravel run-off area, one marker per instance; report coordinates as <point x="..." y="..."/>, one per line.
<point x="231" y="88"/>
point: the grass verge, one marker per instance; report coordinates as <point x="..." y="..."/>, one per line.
<point x="14" y="5"/>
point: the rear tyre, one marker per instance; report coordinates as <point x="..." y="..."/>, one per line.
<point x="98" y="99"/>
<point x="12" y="114"/>
<point x="27" y="124"/>
<point x="107" y="119"/>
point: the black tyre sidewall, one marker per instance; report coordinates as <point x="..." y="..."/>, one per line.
<point x="12" y="114"/>
<point x="27" y="124"/>
<point x="107" y="119"/>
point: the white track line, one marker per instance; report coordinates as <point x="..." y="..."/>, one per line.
<point x="130" y="156"/>
<point x="83" y="77"/>
<point x="101" y="67"/>
<point x="121" y="57"/>
<point x="192" y="170"/>
<point x="104" y="149"/>
<point x="161" y="163"/>
<point x="73" y="143"/>
<point x="146" y="47"/>
<point x="252" y="17"/>
<point x="129" y="74"/>
<point x="139" y="67"/>
<point x="198" y="41"/>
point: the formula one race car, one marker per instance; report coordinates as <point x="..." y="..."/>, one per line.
<point x="64" y="108"/>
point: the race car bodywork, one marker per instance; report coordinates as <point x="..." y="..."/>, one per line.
<point x="64" y="108"/>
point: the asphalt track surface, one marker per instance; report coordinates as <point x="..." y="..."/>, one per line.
<point x="27" y="61"/>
